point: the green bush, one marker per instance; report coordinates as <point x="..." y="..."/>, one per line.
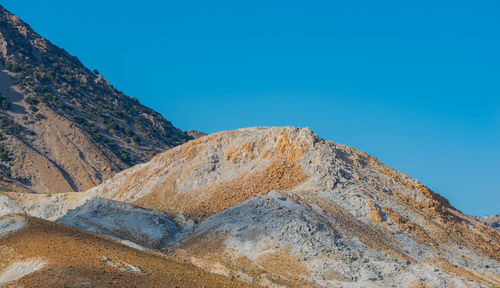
<point x="4" y="102"/>
<point x="11" y="66"/>
<point x="4" y="153"/>
<point x="30" y="100"/>
<point x="136" y="139"/>
<point x="38" y="116"/>
<point x="16" y="129"/>
<point x="79" y="120"/>
<point x="124" y="154"/>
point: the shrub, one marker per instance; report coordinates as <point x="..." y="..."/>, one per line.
<point x="38" y="116"/>
<point x="16" y="129"/>
<point x="4" y="153"/>
<point x="4" y="102"/>
<point x="30" y="100"/>
<point x="79" y="120"/>
<point x="124" y="154"/>
<point x="136" y="139"/>
<point x="11" y="66"/>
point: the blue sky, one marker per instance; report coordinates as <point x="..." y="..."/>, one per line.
<point x="414" y="83"/>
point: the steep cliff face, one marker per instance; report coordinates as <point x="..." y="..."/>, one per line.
<point x="281" y="206"/>
<point x="64" y="128"/>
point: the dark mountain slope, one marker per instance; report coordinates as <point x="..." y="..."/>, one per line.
<point x="64" y="128"/>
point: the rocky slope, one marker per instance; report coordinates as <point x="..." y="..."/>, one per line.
<point x="281" y="206"/>
<point x="63" y="127"/>
<point x="491" y="221"/>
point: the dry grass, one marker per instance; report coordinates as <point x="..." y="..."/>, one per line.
<point x="74" y="259"/>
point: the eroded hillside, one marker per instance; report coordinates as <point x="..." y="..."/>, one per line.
<point x="281" y="206"/>
<point x="38" y="253"/>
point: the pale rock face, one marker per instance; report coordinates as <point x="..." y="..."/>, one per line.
<point x="18" y="270"/>
<point x="9" y="224"/>
<point x="280" y="205"/>
<point x="123" y="221"/>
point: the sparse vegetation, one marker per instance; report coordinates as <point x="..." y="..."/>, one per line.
<point x="8" y="126"/>
<point x="52" y="81"/>
<point x="56" y="80"/>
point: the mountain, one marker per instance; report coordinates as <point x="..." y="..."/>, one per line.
<point x="491" y="221"/>
<point x="63" y="127"/>
<point x="281" y="207"/>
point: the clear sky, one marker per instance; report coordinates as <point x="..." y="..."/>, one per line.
<point x="414" y="83"/>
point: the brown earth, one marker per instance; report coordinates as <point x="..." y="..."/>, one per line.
<point x="81" y="259"/>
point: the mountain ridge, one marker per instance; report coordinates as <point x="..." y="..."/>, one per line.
<point x="260" y="203"/>
<point x="65" y="121"/>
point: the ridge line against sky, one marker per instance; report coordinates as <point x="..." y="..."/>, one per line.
<point x="415" y="85"/>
